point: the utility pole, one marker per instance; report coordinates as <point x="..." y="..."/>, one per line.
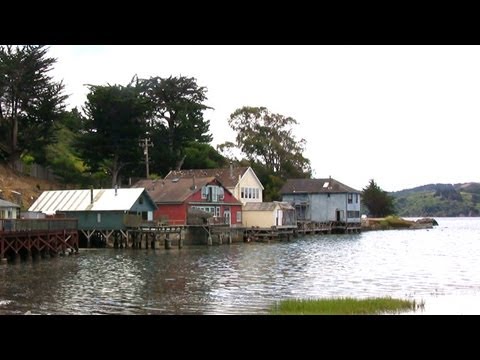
<point x="145" y="144"/>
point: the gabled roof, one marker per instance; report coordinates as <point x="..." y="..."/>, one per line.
<point x="175" y="190"/>
<point x="80" y="200"/>
<point x="8" y="204"/>
<point x="314" y="186"/>
<point x="267" y="206"/>
<point x="227" y="176"/>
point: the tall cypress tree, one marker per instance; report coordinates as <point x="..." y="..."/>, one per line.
<point x="113" y="125"/>
<point x="30" y="101"/>
<point x="377" y="201"/>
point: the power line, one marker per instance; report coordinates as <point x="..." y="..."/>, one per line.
<point x="145" y="144"/>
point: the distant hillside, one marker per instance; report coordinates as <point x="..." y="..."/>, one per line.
<point x="439" y="200"/>
<point x="22" y="189"/>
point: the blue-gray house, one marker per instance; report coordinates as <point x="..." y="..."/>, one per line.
<point x="322" y="200"/>
<point x="105" y="211"/>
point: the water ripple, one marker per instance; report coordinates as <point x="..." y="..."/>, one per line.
<point x="249" y="278"/>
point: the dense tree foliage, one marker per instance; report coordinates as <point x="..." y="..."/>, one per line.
<point x="61" y="156"/>
<point x="30" y="102"/>
<point x="378" y="202"/>
<point x="202" y="156"/>
<point x="268" y="139"/>
<point x="113" y="126"/>
<point x="270" y="147"/>
<point x="175" y="119"/>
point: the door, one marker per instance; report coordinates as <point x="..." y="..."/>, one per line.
<point x="227" y="216"/>
<point x="339" y="215"/>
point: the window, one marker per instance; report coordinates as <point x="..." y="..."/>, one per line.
<point x="353" y="214"/>
<point x="250" y="193"/>
<point x="239" y="216"/>
<point x="99" y="218"/>
<point x="140" y="200"/>
<point x="350" y="198"/>
<point x="213" y="193"/>
<point x="356" y="198"/>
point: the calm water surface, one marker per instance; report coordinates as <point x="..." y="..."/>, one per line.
<point x="439" y="266"/>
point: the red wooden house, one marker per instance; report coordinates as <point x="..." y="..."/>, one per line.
<point x="176" y="198"/>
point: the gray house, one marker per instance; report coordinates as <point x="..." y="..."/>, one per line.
<point x="322" y="200"/>
<point x="9" y="210"/>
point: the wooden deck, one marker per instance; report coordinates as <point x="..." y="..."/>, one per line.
<point x="33" y="238"/>
<point x="271" y="233"/>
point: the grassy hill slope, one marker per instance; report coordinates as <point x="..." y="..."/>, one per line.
<point x="29" y="188"/>
<point x="439" y="200"/>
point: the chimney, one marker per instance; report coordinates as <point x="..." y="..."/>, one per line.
<point x="116" y="187"/>
<point x="91" y="195"/>
<point x="193" y="182"/>
<point x="231" y="170"/>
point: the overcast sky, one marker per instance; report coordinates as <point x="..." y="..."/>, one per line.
<point x="402" y="115"/>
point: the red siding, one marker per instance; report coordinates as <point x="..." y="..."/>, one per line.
<point x="175" y="213"/>
<point x="234" y="210"/>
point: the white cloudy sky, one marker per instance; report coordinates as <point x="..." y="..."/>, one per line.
<point x="402" y="115"/>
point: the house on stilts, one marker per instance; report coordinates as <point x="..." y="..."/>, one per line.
<point x="323" y="204"/>
<point x="105" y="216"/>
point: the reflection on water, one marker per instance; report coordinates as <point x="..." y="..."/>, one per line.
<point x="437" y="265"/>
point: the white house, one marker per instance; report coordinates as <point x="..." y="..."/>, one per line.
<point x="322" y="200"/>
<point x="242" y="182"/>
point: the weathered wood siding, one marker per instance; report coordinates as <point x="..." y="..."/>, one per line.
<point x="323" y="208"/>
<point x="99" y="220"/>
<point x="9" y="213"/>
<point x="143" y="204"/>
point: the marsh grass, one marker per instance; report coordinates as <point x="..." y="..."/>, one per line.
<point x="344" y="306"/>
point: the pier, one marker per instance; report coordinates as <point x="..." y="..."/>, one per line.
<point x="34" y="238"/>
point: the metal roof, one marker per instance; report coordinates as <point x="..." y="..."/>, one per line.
<point x="80" y="200"/>
<point x="267" y="206"/>
<point x="316" y="186"/>
<point x="7" y="204"/>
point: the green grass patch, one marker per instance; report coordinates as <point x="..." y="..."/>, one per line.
<point x="344" y="306"/>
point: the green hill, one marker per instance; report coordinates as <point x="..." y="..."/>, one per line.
<point x="438" y="200"/>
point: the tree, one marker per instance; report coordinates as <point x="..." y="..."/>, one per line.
<point x="175" y="119"/>
<point x="377" y="201"/>
<point x="61" y="157"/>
<point x="202" y="156"/>
<point x="268" y="139"/>
<point x="270" y="147"/>
<point x="112" y="129"/>
<point x="30" y="101"/>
